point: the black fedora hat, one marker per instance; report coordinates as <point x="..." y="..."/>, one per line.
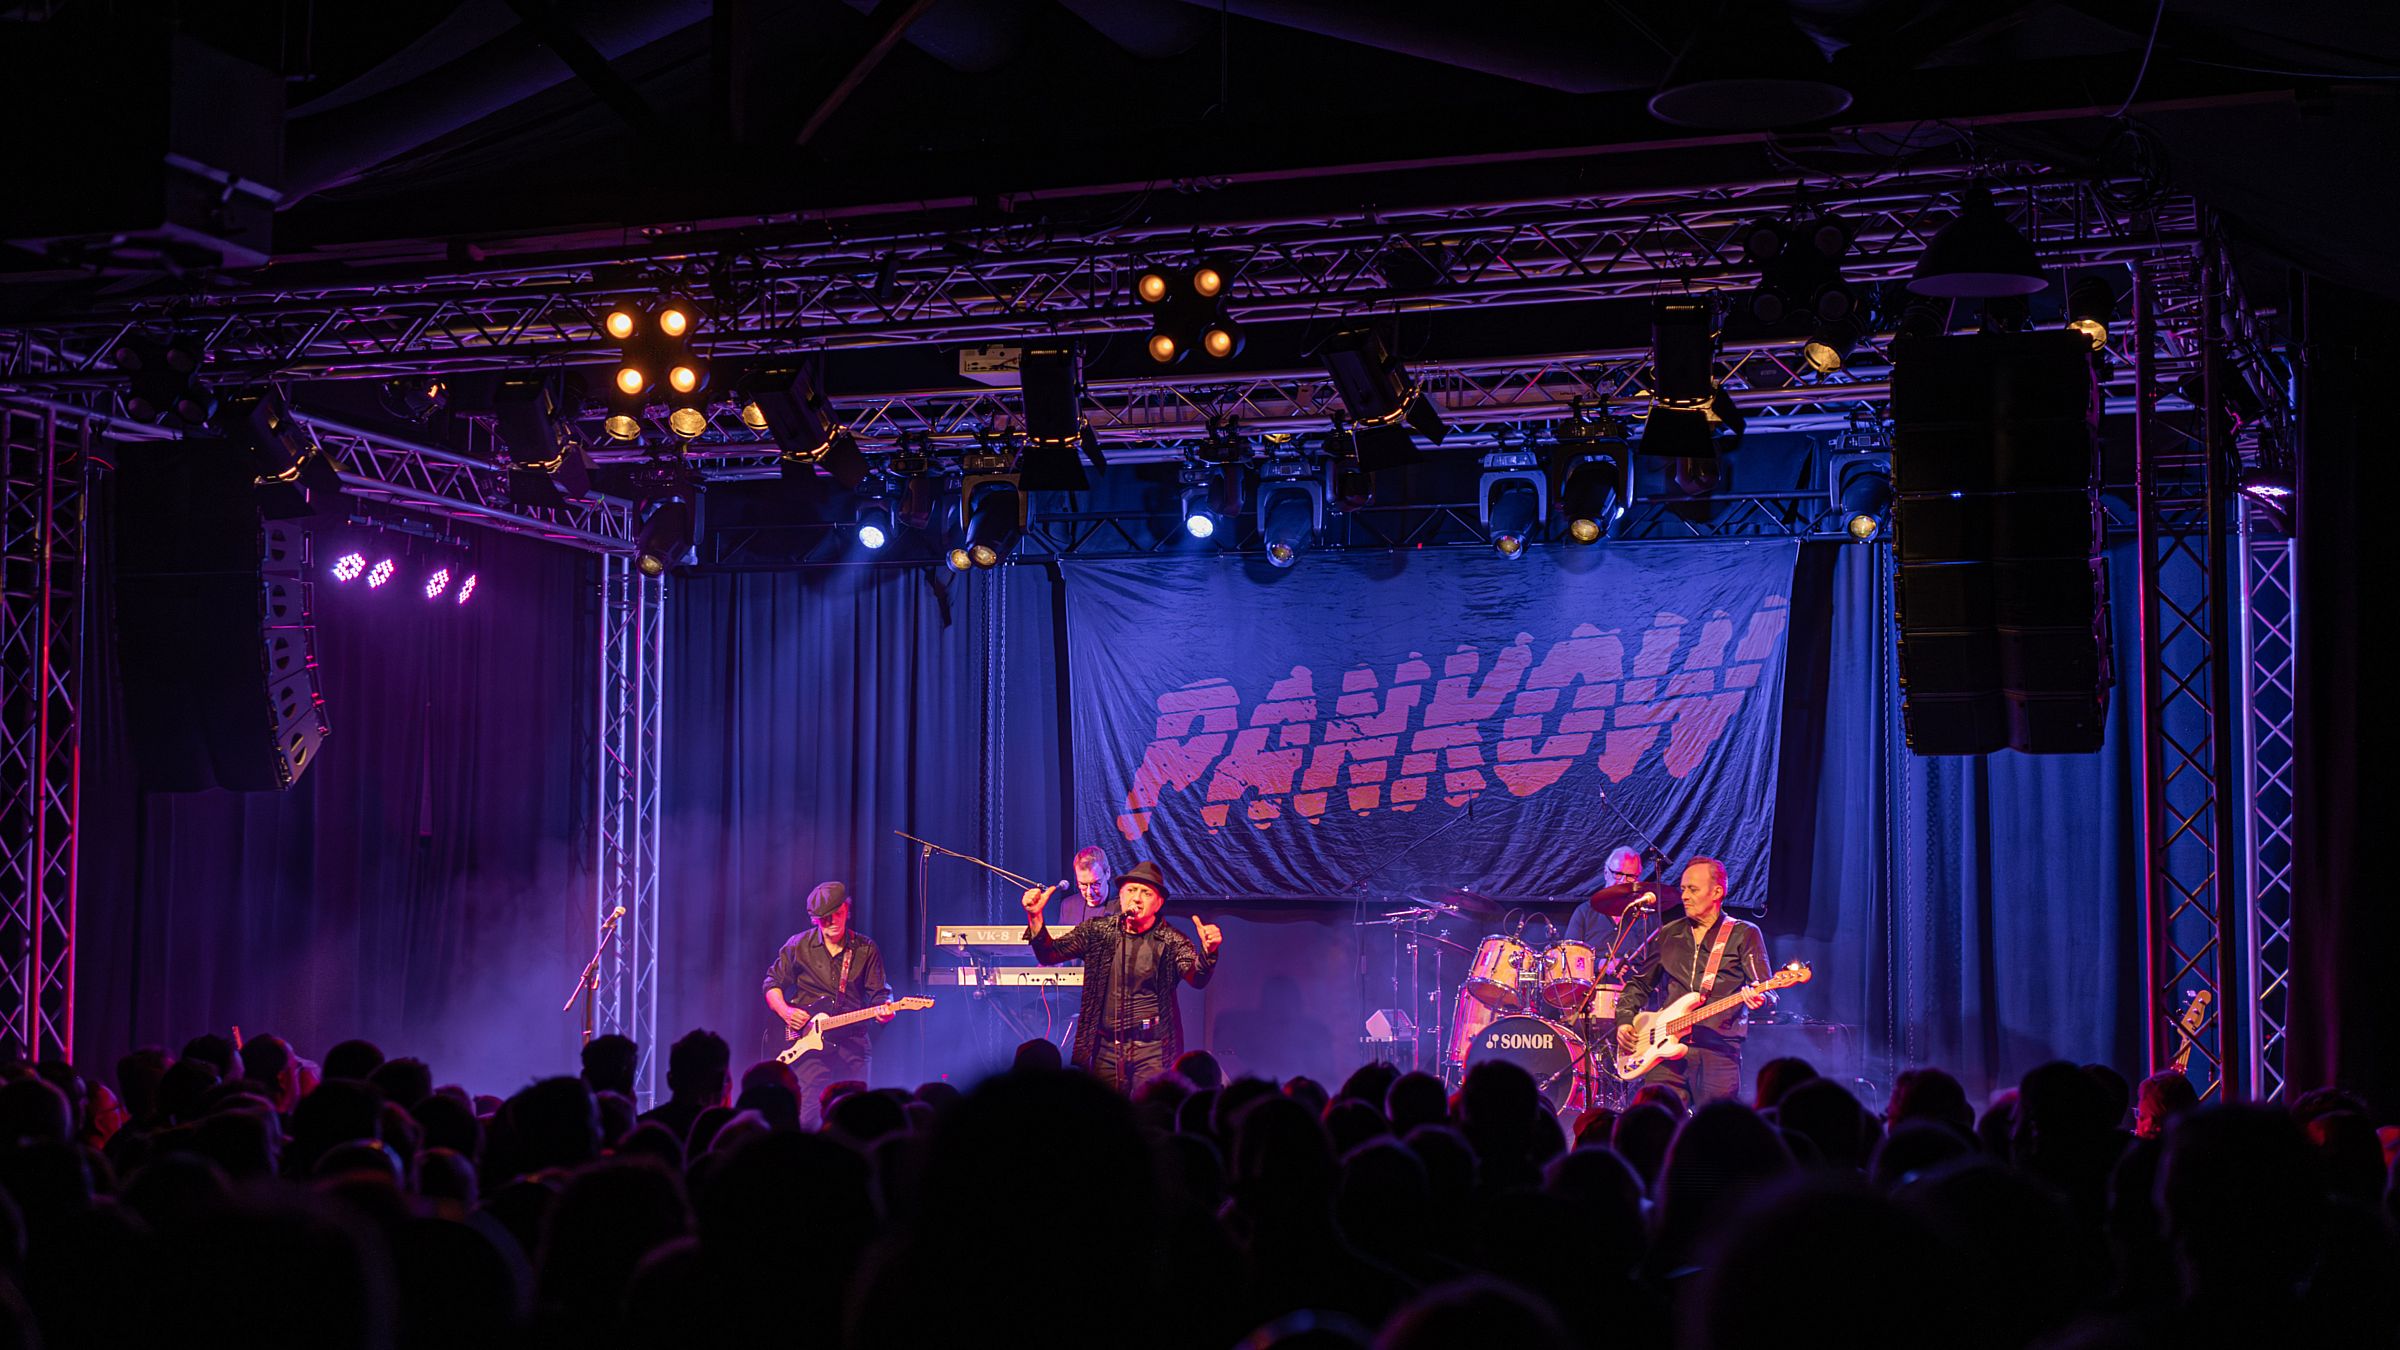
<point x="1145" y="872"/>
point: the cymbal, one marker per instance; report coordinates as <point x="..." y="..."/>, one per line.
<point x="1434" y="939"/>
<point x="1613" y="900"/>
<point x="1468" y="902"/>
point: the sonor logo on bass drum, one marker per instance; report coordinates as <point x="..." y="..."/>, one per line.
<point x="1525" y="1041"/>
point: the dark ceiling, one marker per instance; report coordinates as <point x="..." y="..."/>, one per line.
<point x="453" y="129"/>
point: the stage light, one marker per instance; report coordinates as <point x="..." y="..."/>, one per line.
<point x="995" y="514"/>
<point x="1512" y="508"/>
<point x="1978" y="256"/>
<point x="623" y="427"/>
<point x="1222" y="340"/>
<point x="1384" y="403"/>
<point x="1593" y="469"/>
<point x="437" y="583"/>
<point x="665" y="540"/>
<point x="1208" y="283"/>
<point x="1163" y="348"/>
<point x="675" y="320"/>
<point x="1199" y="517"/>
<point x="1829" y="347"/>
<point x="1686" y="405"/>
<point x="1151" y="288"/>
<point x="687" y="422"/>
<point x="546" y="461"/>
<point x="753" y="416"/>
<point x="808" y="433"/>
<point x="2091" y="305"/>
<point x="874" y="520"/>
<point x="2272" y="486"/>
<point x="622" y="323"/>
<point x="631" y="381"/>
<point x="1290" y="513"/>
<point x="466" y="589"/>
<point x="159" y="375"/>
<point x="1056" y="434"/>
<point x="960" y="560"/>
<point x="1861" y="487"/>
<point x="415" y="398"/>
<point x="683" y="378"/>
<point x="349" y="567"/>
<point x="1924" y="317"/>
<point x="1188" y="312"/>
<point x="380" y="573"/>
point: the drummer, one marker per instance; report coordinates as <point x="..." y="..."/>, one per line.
<point x="1596" y="926"/>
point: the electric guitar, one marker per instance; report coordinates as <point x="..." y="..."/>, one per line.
<point x="1657" y="1036"/>
<point x="2195" y="1016"/>
<point x="812" y="1040"/>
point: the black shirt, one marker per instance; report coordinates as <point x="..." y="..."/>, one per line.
<point x="1151" y="963"/>
<point x="806" y="972"/>
<point x="1670" y="967"/>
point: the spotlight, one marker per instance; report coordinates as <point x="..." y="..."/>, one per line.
<point x="1383" y="402"/>
<point x="437" y="583"/>
<point x="1861" y="487"/>
<point x="546" y="463"/>
<point x="665" y="540"/>
<point x="380" y="573"/>
<point x="349" y="567"/>
<point x="1924" y="317"/>
<point x="415" y="398"/>
<point x="1164" y="349"/>
<point x="1978" y="256"/>
<point x="1199" y="516"/>
<point x="1151" y="287"/>
<point x="675" y="319"/>
<point x="1222" y="339"/>
<point x="1593" y="470"/>
<point x="1686" y="405"/>
<point x="687" y="422"/>
<point x="1187" y="312"/>
<point x="1829" y="347"/>
<point x="2091" y="305"/>
<point x="684" y="378"/>
<point x="1051" y="375"/>
<point x="622" y="322"/>
<point x="2269" y="486"/>
<point x="1513" y="506"/>
<point x="1290" y="513"/>
<point x="874" y="520"/>
<point x="960" y="560"/>
<point x="160" y="376"/>
<point x="623" y="427"/>
<point x="466" y="589"/>
<point x="753" y="416"/>
<point x="791" y="402"/>
<point x="631" y="380"/>
<point x="995" y="511"/>
<point x="1208" y="283"/>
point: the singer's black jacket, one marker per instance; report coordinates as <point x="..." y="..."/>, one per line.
<point x="1153" y="961"/>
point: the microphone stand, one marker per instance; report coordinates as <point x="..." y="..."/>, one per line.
<point x="587" y="985"/>
<point x="1655" y="853"/>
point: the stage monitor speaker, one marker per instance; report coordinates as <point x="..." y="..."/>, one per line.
<point x="215" y="643"/>
<point x="2000" y="590"/>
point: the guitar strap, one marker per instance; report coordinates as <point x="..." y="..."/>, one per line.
<point x="842" y="981"/>
<point x="1716" y="956"/>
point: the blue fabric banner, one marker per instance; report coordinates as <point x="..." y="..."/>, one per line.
<point x="1368" y="725"/>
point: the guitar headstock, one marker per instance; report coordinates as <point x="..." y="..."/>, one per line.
<point x="913" y="1002"/>
<point x="1798" y="972"/>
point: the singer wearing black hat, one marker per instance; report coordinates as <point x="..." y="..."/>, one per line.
<point x="1132" y="960"/>
<point x="828" y="969"/>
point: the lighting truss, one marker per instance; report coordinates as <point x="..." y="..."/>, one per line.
<point x="625" y="864"/>
<point x="2270" y="621"/>
<point x="1010" y="282"/>
<point x="2190" y="855"/>
<point x="44" y="474"/>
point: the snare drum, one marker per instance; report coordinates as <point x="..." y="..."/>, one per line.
<point x="1567" y="974"/>
<point x="1467" y="1021"/>
<point x="1499" y="964"/>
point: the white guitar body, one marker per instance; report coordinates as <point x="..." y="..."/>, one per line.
<point x="807" y="1042"/>
<point x="1654" y="1038"/>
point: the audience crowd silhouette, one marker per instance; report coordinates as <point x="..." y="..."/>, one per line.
<point x="246" y="1192"/>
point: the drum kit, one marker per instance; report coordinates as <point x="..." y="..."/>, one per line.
<point x="1549" y="1008"/>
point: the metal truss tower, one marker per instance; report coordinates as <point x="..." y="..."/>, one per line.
<point x="44" y="470"/>
<point x="632" y="664"/>
<point x="2270" y="634"/>
<point x="2183" y="537"/>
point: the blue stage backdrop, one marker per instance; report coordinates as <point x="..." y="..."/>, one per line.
<point x="1431" y="719"/>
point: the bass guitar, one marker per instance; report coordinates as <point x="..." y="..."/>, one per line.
<point x="1658" y="1036"/>
<point x="812" y="1040"/>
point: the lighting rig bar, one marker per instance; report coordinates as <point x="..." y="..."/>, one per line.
<point x="966" y="286"/>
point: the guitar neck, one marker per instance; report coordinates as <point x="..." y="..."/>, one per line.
<point x="848" y="1018"/>
<point x="1708" y="1010"/>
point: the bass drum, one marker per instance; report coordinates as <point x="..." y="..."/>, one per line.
<point x="1539" y="1046"/>
<point x="1467" y="1021"/>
